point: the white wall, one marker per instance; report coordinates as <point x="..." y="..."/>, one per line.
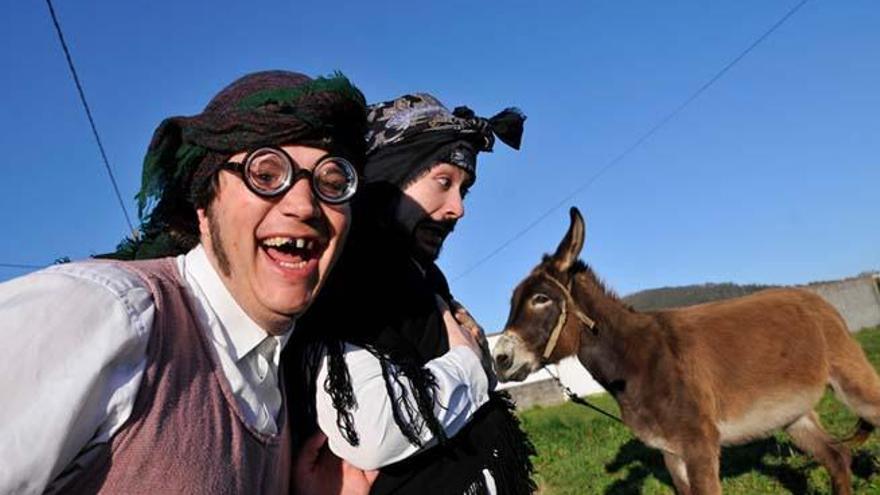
<point x="570" y="371"/>
<point x="856" y="299"/>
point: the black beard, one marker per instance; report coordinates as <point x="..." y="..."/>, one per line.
<point x="436" y="229"/>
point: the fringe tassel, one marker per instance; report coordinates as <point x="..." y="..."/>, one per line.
<point x="513" y="470"/>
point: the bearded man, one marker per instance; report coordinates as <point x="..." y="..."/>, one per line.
<point x="399" y="383"/>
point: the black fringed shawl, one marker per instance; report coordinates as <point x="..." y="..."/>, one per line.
<point x="378" y="298"/>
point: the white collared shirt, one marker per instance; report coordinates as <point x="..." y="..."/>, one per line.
<point x="74" y="351"/>
<point x="250" y="358"/>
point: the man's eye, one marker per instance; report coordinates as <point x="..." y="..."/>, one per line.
<point x="444" y="182"/>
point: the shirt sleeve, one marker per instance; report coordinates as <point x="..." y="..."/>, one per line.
<point x="73" y="354"/>
<point x="462" y="389"/>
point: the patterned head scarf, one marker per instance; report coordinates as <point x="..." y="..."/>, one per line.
<point x="410" y="134"/>
<point x="260" y="109"/>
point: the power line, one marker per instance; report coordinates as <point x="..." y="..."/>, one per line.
<point x="638" y="142"/>
<point x="82" y="97"/>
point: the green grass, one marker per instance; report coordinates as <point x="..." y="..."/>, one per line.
<point x="582" y="452"/>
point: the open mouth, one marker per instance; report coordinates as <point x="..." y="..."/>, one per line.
<point x="518" y="375"/>
<point x="292" y="253"/>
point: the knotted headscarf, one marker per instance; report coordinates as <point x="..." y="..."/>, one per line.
<point x="412" y="133"/>
<point x="260" y="109"/>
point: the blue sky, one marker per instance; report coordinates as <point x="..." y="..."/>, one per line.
<point x="770" y="176"/>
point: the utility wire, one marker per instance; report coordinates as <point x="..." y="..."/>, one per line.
<point x="638" y="142"/>
<point x="82" y="97"/>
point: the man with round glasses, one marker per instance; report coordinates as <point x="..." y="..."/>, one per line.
<point x="162" y="375"/>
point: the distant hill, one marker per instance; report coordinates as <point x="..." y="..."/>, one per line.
<point x="688" y="295"/>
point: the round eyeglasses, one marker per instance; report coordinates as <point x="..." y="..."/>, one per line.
<point x="271" y="172"/>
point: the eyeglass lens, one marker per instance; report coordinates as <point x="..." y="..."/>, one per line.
<point x="271" y="172"/>
<point x="268" y="171"/>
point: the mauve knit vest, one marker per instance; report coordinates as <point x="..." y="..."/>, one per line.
<point x="186" y="433"/>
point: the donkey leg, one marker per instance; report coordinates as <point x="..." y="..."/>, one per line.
<point x="808" y="434"/>
<point x="702" y="464"/>
<point x="855" y="383"/>
<point x="677" y="470"/>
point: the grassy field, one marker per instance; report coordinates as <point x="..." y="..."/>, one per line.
<point x="581" y="452"/>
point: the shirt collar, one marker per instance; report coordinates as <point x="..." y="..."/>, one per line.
<point x="239" y="333"/>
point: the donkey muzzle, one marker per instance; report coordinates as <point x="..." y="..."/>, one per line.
<point x="512" y="361"/>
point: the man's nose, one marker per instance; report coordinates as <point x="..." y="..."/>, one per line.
<point x="455" y="206"/>
<point x="299" y="201"/>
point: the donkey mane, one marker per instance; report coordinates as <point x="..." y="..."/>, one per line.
<point x="587" y="280"/>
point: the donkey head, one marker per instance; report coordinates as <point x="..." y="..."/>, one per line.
<point x="543" y="324"/>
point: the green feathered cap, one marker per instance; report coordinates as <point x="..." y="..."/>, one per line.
<point x="260" y="109"/>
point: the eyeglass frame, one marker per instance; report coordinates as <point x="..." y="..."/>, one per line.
<point x="297" y="172"/>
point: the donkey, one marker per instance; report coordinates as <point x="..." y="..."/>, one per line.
<point x="693" y="379"/>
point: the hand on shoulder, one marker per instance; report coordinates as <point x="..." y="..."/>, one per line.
<point x="317" y="471"/>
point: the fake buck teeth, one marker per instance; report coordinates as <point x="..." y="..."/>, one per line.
<point x="298" y="243"/>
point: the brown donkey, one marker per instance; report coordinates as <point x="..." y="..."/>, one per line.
<point x="690" y="380"/>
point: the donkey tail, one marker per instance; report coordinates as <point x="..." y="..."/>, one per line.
<point x="860" y="434"/>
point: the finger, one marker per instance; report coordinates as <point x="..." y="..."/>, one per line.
<point x="356" y="481"/>
<point x="441" y="303"/>
<point x="456" y="334"/>
<point x="311" y="449"/>
<point x="371" y="475"/>
<point x="458" y="309"/>
<point x="463" y="316"/>
<point x="476" y="330"/>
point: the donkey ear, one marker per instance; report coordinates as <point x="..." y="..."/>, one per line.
<point x="570" y="247"/>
